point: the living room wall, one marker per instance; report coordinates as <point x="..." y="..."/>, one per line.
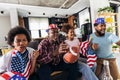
<point x="5" y="26"/>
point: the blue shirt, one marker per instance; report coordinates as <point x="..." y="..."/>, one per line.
<point x="105" y="44"/>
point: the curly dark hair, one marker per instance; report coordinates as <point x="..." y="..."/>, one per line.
<point x="17" y="30"/>
<point x="68" y="28"/>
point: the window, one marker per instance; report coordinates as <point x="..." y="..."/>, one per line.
<point x="84" y="16"/>
<point x="38" y="27"/>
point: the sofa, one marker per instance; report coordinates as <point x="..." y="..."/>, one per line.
<point x="57" y="75"/>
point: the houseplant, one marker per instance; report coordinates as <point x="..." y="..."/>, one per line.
<point x="105" y="9"/>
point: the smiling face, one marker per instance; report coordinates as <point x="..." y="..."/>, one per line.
<point x="53" y="33"/>
<point x="71" y="34"/>
<point x="20" y="42"/>
<point x="100" y="29"/>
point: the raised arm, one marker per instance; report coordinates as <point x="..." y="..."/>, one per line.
<point x="34" y="57"/>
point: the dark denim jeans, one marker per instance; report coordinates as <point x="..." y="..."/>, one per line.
<point x="45" y="70"/>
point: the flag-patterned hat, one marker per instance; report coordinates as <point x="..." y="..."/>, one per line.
<point x="100" y="21"/>
<point x="52" y="26"/>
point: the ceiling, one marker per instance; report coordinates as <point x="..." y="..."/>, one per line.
<point x="45" y="3"/>
<point x="45" y="8"/>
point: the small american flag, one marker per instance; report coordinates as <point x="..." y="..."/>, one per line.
<point x="84" y="47"/>
<point x="91" y="57"/>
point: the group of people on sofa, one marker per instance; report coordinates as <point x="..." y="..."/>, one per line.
<point x="57" y="52"/>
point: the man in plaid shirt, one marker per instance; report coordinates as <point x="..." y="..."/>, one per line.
<point x="51" y="56"/>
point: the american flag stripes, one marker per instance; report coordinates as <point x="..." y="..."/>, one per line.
<point x="15" y="75"/>
<point x="91" y="59"/>
<point x="91" y="56"/>
<point x="84" y="47"/>
<point x="19" y="61"/>
<point x="85" y="50"/>
<point x="6" y="76"/>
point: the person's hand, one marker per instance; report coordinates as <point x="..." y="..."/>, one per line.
<point x="35" y="54"/>
<point x="56" y="52"/>
<point x="63" y="48"/>
<point x="95" y="46"/>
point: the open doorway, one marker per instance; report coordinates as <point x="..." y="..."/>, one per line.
<point x="116" y="6"/>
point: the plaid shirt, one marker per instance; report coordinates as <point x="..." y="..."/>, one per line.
<point x="46" y="49"/>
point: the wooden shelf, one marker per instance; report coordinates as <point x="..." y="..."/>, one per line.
<point x="110" y="15"/>
<point x="58" y="21"/>
<point x="72" y="20"/>
<point x="113" y="23"/>
<point x="107" y="14"/>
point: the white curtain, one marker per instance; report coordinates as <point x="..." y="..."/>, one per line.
<point x="38" y="26"/>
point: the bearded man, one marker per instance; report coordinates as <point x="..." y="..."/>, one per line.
<point x="102" y="44"/>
